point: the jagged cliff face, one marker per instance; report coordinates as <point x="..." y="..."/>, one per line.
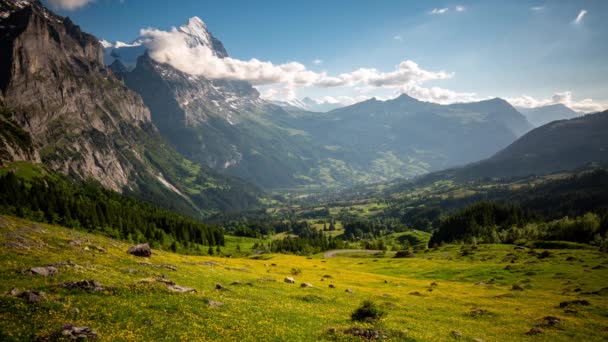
<point x="54" y="81"/>
<point x="220" y="123"/>
<point x="63" y="107"/>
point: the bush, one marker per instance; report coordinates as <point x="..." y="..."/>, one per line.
<point x="295" y="271"/>
<point x="404" y="254"/>
<point x="368" y="311"/>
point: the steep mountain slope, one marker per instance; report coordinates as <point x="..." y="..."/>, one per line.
<point x="220" y="123"/>
<point x="63" y="107"/>
<point x="556" y="146"/>
<point x="543" y="115"/>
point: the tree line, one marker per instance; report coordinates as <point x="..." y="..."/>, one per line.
<point x="89" y="207"/>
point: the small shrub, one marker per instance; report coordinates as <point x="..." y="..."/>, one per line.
<point x="404" y="254"/>
<point x="295" y="271"/>
<point x="368" y="311"/>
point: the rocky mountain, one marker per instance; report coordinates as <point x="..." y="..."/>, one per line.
<point x="63" y="107"/>
<point x="225" y="125"/>
<point x="543" y="115"/>
<point x="557" y="146"/>
<point x="220" y="123"/>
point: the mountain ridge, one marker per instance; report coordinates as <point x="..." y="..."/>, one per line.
<point x="62" y="107"/>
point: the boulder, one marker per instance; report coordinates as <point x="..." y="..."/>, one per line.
<point x="368" y="334"/>
<point x="180" y="289"/>
<point x="305" y="285"/>
<point x="219" y="287"/>
<point x="72" y="332"/>
<point x="456" y="334"/>
<point x="28" y="296"/>
<point x="534" y="331"/>
<point x="289" y="280"/>
<point x="86" y="285"/>
<point x="44" y="271"/>
<point x="332" y="286"/>
<point x="142" y="250"/>
<point x="348" y="291"/>
<point x="214" y="304"/>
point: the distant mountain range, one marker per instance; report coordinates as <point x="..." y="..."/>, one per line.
<point x="557" y="146"/>
<point x="539" y="116"/>
<point x="310" y="105"/>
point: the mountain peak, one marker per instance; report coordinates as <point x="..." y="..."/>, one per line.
<point x="197" y="30"/>
<point x="405" y="97"/>
<point x="197" y="34"/>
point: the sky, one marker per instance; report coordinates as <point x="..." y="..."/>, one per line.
<point x="529" y="52"/>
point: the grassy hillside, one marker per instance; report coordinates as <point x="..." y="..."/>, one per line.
<point x="471" y="294"/>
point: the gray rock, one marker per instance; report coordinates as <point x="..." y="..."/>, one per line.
<point x="289" y="280"/>
<point x="142" y="250"/>
<point x="332" y="286"/>
<point x="348" y="291"/>
<point x="85" y="285"/>
<point x="180" y="289"/>
<point x="306" y="285"/>
<point x="78" y="333"/>
<point x="27" y="295"/>
<point x="214" y="304"/>
<point x="44" y="271"/>
<point x="456" y="334"/>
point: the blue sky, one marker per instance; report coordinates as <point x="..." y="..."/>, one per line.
<point x="490" y="48"/>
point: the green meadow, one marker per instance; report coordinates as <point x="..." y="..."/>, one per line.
<point x="455" y="292"/>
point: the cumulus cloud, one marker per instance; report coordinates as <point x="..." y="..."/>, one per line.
<point x="580" y="16"/>
<point x="317" y="61"/>
<point x="537" y="8"/>
<point x="69" y="5"/>
<point x="438" y="95"/>
<point x="460" y="8"/>
<point x="397" y="37"/>
<point x="173" y="48"/>
<point x="566" y="98"/>
<point x="439" y="11"/>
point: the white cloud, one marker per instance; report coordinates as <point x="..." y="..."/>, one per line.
<point x="460" y="8"/>
<point x="398" y="37"/>
<point x="566" y="98"/>
<point x="580" y="16"/>
<point x="173" y="48"/>
<point x="439" y="11"/>
<point x="69" y="5"/>
<point x="537" y="8"/>
<point x="438" y="95"/>
<point x="317" y="61"/>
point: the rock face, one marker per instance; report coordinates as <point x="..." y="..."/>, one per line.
<point x="60" y="93"/>
<point x="62" y="106"/>
<point x="142" y="250"/>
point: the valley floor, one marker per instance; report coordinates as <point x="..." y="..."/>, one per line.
<point x="432" y="297"/>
